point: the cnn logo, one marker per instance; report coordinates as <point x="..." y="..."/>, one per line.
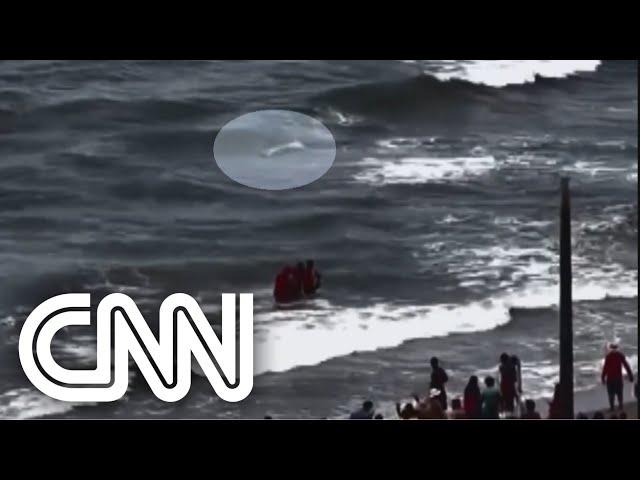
<point x="183" y="332"/>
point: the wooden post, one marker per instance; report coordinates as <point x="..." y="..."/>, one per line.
<point x="566" y="311"/>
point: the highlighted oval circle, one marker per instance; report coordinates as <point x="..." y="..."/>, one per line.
<point x="274" y="149"/>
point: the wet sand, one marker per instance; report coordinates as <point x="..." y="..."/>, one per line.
<point x="594" y="400"/>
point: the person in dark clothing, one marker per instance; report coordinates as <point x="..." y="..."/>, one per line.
<point x="406" y="412"/>
<point x="612" y="375"/>
<point x="299" y="279"/>
<point x="490" y="399"/>
<point x="515" y="360"/>
<point x="598" y="416"/>
<point x="472" y="399"/>
<point x="365" y="413"/>
<point x="555" y="408"/>
<point x="378" y="417"/>
<point x="457" y="412"/>
<point x="438" y="379"/>
<point x="530" y="411"/>
<point x="508" y="377"/>
<point x="581" y="416"/>
<point x="311" y="279"/>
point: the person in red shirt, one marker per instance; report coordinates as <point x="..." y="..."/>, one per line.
<point x="612" y="375"/>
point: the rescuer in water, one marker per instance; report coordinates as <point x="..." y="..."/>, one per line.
<point x="295" y="283"/>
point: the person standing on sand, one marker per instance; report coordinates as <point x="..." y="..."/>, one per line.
<point x="612" y="375"/>
<point x="472" y="398"/>
<point x="508" y="378"/>
<point x="438" y="378"/>
<point x="517" y="365"/>
<point x="555" y="409"/>
<point x="490" y="400"/>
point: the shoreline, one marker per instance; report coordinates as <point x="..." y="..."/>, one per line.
<point x="595" y="400"/>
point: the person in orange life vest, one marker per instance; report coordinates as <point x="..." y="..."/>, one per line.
<point x="612" y="374"/>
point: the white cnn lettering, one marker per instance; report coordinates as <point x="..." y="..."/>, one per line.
<point x="118" y="316"/>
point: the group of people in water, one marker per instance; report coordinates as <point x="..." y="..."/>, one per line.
<point x="501" y="397"/>
<point x="295" y="283"/>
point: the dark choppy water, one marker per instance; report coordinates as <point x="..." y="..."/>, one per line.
<point x="435" y="229"/>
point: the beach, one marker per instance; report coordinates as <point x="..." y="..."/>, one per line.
<point x="435" y="229"/>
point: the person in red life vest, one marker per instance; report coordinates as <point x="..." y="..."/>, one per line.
<point x="285" y="285"/>
<point x="311" y="279"/>
<point x="280" y="287"/>
<point x="612" y="374"/>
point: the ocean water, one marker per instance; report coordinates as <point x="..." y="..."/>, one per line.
<point x="435" y="229"/>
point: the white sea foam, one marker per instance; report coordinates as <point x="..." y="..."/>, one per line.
<point x="312" y="335"/>
<point x="517" y="222"/>
<point x="343" y="119"/>
<point x="449" y="219"/>
<point x="22" y="403"/>
<point x="402" y="143"/>
<point x="592" y="168"/>
<point x="417" y="170"/>
<point x="296" y="145"/>
<point x="9" y="321"/>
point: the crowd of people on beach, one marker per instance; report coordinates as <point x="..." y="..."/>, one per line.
<point x="501" y="397"/>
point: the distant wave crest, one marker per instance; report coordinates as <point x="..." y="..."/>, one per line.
<point x="500" y="73"/>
